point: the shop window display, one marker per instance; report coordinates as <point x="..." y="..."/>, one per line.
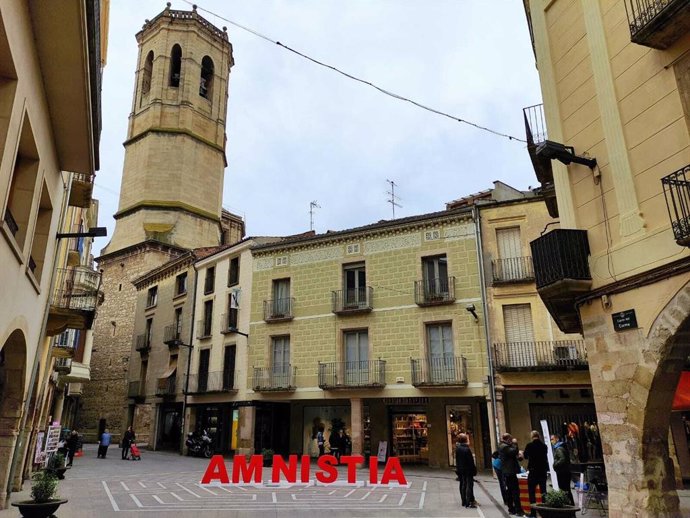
<point x="410" y="442"/>
<point x="459" y="420"/>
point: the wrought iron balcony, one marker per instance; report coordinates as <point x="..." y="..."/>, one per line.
<point x="81" y="191"/>
<point x="540" y="356"/>
<point x="219" y="381"/>
<point x="63" y="365"/>
<point x="512" y="270"/>
<point x="11" y="222"/>
<point x="677" y="194"/>
<point x="278" y="310"/>
<point x="274" y="379"/>
<point x="228" y="323"/>
<point x="432" y="292"/>
<point x="536" y="133"/>
<point x="65" y="344"/>
<point x="203" y="328"/>
<point x="355" y="374"/>
<point x="439" y="371"/>
<point x="143" y="344"/>
<point x="74" y="298"/>
<point x="657" y="23"/>
<point x="172" y="335"/>
<point x="561" y="270"/>
<point x="166" y="386"/>
<point x="347" y="302"/>
<point x="135" y="389"/>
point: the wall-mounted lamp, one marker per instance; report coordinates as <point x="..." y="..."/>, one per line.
<point x="566" y="154"/>
<point x="92" y="232"/>
<point x="471" y="309"/>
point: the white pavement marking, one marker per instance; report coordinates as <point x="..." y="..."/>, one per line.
<point x="188" y="490"/>
<point x="366" y="496"/>
<point x="110" y="496"/>
<point x="207" y="490"/>
<point x="142" y="484"/>
<point x="124" y="486"/>
<point x="424" y="486"/>
<point x="274" y="498"/>
<point x="157" y="499"/>
<point x="177" y="496"/>
<point x="383" y="498"/>
<point x="481" y="514"/>
<point x="136" y="500"/>
<point x="161" y="485"/>
<point x="225" y="489"/>
<point x="350" y="492"/>
<point x="402" y="499"/>
<point x="421" y="498"/>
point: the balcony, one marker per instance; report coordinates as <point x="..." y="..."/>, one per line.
<point x="677" y="194"/>
<point x="441" y="371"/>
<point x="540" y="356"/>
<point x="166" y="386"/>
<point x="219" y="381"/>
<point x="65" y="344"/>
<point x="203" y="329"/>
<point x="278" y="310"/>
<point x="143" y="344"/>
<point x="228" y="323"/>
<point x="63" y="365"/>
<point x="349" y="302"/>
<point x="355" y="374"/>
<point x="78" y="373"/>
<point x="81" y="191"/>
<point x="535" y="131"/>
<point x="135" y="390"/>
<point x="657" y="23"/>
<point x="74" y="299"/>
<point x="512" y="270"/>
<point x="172" y="335"/>
<point x="274" y="379"/>
<point x="561" y="271"/>
<point x="433" y="292"/>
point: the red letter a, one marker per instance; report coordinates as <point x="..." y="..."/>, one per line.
<point x="216" y="471"/>
<point x="393" y="470"/>
<point x="255" y="468"/>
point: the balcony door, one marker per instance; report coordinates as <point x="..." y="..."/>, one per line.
<point x="355" y="289"/>
<point x="517" y="319"/>
<point x="280" y="362"/>
<point x="357" y="357"/>
<point x="441" y="356"/>
<point x="435" y="273"/>
<point x="510" y="252"/>
<point x="281" y="298"/>
<point x="204" y="357"/>
<point x="229" y="367"/>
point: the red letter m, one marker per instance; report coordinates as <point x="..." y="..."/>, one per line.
<point x="239" y="464"/>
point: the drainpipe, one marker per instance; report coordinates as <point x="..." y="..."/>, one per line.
<point x="485" y="308"/>
<point x="190" y="346"/>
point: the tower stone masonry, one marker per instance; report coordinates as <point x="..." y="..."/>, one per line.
<point x="171" y="192"/>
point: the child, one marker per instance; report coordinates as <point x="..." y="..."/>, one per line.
<point x="134" y="451"/>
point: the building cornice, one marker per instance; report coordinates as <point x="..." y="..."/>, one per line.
<point x="149" y="244"/>
<point x="177" y="131"/>
<point x="166" y="205"/>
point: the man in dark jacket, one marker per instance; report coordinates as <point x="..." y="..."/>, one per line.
<point x="536" y="454"/>
<point x="466" y="470"/>
<point x="510" y="466"/>
<point x="561" y="465"/>
<point x="72" y="444"/>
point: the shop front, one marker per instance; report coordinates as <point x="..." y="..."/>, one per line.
<point x="169" y="423"/>
<point x="221" y="423"/>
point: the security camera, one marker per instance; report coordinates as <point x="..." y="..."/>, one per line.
<point x="471" y="309"/>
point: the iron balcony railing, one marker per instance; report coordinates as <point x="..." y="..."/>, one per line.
<point x="559" y="255"/>
<point x="166" y="386"/>
<point x="278" y="309"/>
<point x="11" y="222"/>
<point x="76" y="288"/>
<point x="219" y="381"/>
<point x="657" y="23"/>
<point x="352" y="301"/>
<point x="439" y="371"/>
<point x="172" y="334"/>
<point x="65" y="344"/>
<point x="135" y="389"/>
<point x="143" y="343"/>
<point x="274" y="379"/>
<point x="512" y="269"/>
<point x="430" y="292"/>
<point x="352" y="374"/>
<point x="536" y="356"/>
<point x="535" y="124"/>
<point x="204" y="328"/>
<point x="228" y="323"/>
<point x="677" y="194"/>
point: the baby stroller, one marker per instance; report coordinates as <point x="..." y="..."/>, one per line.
<point x="134" y="452"/>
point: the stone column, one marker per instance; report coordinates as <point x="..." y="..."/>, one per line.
<point x="245" y="443"/>
<point x="356" y="425"/>
<point x="500" y="411"/>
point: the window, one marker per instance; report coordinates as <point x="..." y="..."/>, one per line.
<point x="356" y="357"/>
<point x="435" y="274"/>
<point x="234" y="272"/>
<point x="510" y="252"/>
<point x="149" y="331"/>
<point x="233" y="310"/>
<point x="41" y="233"/>
<point x="204" y="356"/>
<point x="280" y="360"/>
<point x="441" y="355"/>
<point x="181" y="284"/>
<point x="175" y="65"/>
<point x="208" y="317"/>
<point x="152" y="297"/>
<point x="210" y="280"/>
<point x="229" y="367"/>
<point x="142" y="376"/>
<point x="178" y="324"/>
<point x="281" y="298"/>
<point x="146" y="74"/>
<point x="355" y="285"/>
<point x="517" y="319"/>
<point x="206" y="79"/>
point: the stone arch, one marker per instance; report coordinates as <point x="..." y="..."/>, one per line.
<point x="12" y="380"/>
<point x="175" y="65"/>
<point x="206" y="78"/>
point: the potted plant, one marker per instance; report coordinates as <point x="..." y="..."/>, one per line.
<point x="43" y="502"/>
<point x="268" y="457"/>
<point x="556" y="505"/>
<point x="56" y="465"/>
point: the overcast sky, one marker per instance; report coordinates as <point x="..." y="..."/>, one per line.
<point x="298" y="132"/>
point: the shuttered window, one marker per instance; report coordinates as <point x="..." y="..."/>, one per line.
<point x="517" y="319"/>
<point x="509" y="245"/>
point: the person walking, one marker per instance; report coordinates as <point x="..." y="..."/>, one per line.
<point x="510" y="466"/>
<point x="335" y="441"/>
<point x="127" y="438"/>
<point x="496" y="464"/>
<point x="536" y="453"/>
<point x="103" y="444"/>
<point x="72" y="443"/>
<point x="561" y="465"/>
<point x="321" y="440"/>
<point x="466" y="470"/>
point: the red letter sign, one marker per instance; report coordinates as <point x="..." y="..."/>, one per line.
<point x="239" y="464"/>
<point x="279" y="467"/>
<point x="216" y="471"/>
<point x="327" y="464"/>
<point x="393" y="470"/>
<point x="351" y="462"/>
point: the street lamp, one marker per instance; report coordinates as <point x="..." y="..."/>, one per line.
<point x="92" y="232"/>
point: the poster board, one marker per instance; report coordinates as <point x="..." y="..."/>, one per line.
<point x="382" y="451"/>
<point x="549" y="452"/>
<point x="39" y="454"/>
<point x="52" y="438"/>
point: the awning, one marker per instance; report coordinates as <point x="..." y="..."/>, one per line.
<point x="681" y="400"/>
<point x="171" y="369"/>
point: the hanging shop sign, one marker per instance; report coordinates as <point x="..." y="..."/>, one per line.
<point x="52" y="438"/>
<point x="406" y="401"/>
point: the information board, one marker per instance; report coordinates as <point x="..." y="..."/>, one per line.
<point x="52" y="439"/>
<point x="39" y="455"/>
<point x="624" y="320"/>
<point x="383" y="451"/>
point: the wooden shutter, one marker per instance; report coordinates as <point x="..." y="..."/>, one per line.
<point x="517" y="319"/>
<point x="509" y="245"/>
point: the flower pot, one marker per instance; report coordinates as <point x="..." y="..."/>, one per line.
<point x="31" y="509"/>
<point x="268" y="462"/>
<point x="555" y="512"/>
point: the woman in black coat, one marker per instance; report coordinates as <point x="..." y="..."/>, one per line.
<point x="127" y="439"/>
<point x="466" y="470"/>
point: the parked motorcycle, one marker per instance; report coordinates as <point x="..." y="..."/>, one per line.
<point x="199" y="444"/>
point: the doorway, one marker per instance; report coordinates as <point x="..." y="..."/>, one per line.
<point x="170" y="421"/>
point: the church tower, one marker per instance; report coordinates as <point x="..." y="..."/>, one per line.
<point x="172" y="181"/>
<point x="172" y="184"/>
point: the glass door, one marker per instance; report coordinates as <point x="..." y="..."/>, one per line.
<point x="356" y="358"/>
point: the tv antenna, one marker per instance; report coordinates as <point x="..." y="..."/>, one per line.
<point x="393" y="198"/>
<point x="312" y="205"/>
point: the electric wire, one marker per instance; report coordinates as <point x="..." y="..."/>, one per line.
<point x="359" y="80"/>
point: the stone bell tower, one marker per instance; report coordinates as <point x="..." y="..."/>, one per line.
<point x="172" y="184"/>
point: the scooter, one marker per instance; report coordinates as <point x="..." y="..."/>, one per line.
<point x="199" y="444"/>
